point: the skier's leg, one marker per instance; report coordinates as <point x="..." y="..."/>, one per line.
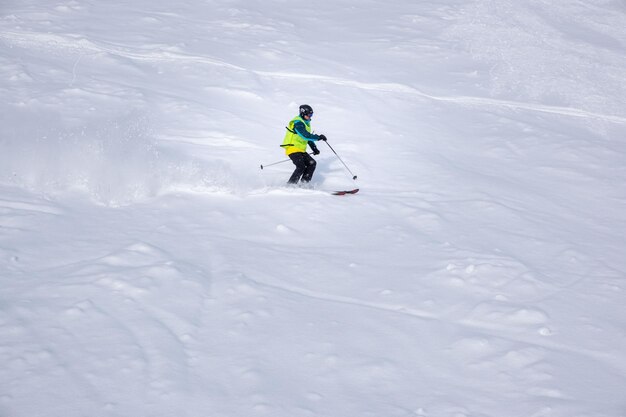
<point x="310" y="165"/>
<point x="300" y="163"/>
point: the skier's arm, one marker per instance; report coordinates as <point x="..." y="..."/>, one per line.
<point x="300" y="129"/>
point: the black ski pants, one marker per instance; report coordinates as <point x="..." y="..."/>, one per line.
<point x="305" y="167"/>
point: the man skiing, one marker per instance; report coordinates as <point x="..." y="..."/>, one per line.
<point x="296" y="139"/>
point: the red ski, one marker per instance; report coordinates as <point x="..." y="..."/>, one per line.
<point x="344" y="192"/>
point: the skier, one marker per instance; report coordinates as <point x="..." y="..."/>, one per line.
<point x="296" y="139"/>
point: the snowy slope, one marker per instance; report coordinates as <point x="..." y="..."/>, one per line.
<point x="150" y="268"/>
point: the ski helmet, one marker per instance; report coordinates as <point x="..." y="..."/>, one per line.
<point x="306" y="110"/>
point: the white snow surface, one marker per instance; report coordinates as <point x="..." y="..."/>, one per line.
<point x="149" y="267"/>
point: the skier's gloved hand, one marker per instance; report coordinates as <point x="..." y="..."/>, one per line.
<point x="322" y="137"/>
<point x="316" y="151"/>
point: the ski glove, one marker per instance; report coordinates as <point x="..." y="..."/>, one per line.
<point x="316" y="151"/>
<point x="322" y="137"/>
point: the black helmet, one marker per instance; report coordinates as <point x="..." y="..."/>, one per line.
<point x="306" y="110"/>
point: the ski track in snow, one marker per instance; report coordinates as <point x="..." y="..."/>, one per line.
<point x="122" y="284"/>
<point x="14" y="205"/>
<point x="510" y="325"/>
<point x="83" y="47"/>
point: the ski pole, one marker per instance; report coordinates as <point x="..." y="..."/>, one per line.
<point x="279" y="162"/>
<point x="274" y="163"/>
<point x="344" y="164"/>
